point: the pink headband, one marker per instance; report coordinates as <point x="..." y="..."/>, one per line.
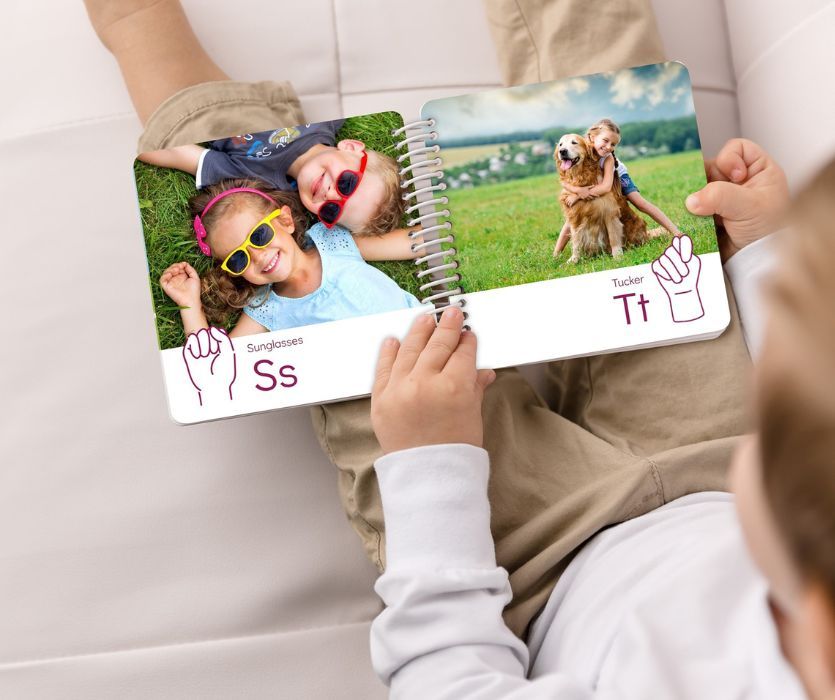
<point x="200" y="230"/>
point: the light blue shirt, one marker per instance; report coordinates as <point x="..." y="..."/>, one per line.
<point x="350" y="287"/>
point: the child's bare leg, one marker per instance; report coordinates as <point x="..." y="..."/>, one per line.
<point x="649" y="208"/>
<point x="565" y="234"/>
<point x="157" y="50"/>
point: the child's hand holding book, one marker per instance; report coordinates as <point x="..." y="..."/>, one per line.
<point x="747" y="194"/>
<point x="427" y="390"/>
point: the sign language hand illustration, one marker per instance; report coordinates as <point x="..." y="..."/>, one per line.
<point x="677" y="270"/>
<point x="210" y="362"/>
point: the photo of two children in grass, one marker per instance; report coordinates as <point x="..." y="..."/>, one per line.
<point x="274" y="230"/>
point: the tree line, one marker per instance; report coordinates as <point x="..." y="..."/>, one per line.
<point x="522" y="154"/>
<point x="672" y="133"/>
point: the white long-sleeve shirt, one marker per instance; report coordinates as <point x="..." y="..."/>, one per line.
<point x="667" y="605"/>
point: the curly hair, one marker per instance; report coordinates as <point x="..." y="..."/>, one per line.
<point x="389" y="214"/>
<point x="225" y="295"/>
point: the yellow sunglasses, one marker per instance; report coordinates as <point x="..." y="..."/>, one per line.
<point x="261" y="235"/>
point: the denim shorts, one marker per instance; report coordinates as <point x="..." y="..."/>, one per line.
<point x="627" y="186"/>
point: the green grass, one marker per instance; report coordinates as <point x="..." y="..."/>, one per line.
<point x="169" y="238"/>
<point x="505" y="233"/>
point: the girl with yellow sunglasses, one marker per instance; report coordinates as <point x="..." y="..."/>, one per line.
<point x="279" y="274"/>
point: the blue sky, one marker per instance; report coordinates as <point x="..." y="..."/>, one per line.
<point x="660" y="91"/>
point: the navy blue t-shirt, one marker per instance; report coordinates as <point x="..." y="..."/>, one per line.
<point x="266" y="155"/>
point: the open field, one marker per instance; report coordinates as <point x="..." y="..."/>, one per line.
<point x="453" y="157"/>
<point x="505" y="233"/>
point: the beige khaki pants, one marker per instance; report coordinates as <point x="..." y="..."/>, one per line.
<point x="540" y="40"/>
<point x="627" y="432"/>
<point x="219" y="109"/>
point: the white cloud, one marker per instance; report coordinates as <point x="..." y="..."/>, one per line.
<point x="579" y="85"/>
<point x="628" y="87"/>
<point x="656" y="88"/>
<point x="625" y="96"/>
<point x="556" y="94"/>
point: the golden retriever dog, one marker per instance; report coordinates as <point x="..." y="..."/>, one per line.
<point x="601" y="224"/>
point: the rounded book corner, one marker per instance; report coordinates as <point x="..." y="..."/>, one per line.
<point x="722" y="322"/>
<point x="176" y="418"/>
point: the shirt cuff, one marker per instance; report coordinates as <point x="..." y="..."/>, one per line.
<point x="747" y="270"/>
<point x="198" y="178"/>
<point x="436" y="509"/>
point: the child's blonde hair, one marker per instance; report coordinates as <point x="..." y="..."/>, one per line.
<point x="389" y="214"/>
<point x="598" y="126"/>
<point x="796" y="397"/>
<point x="595" y="129"/>
<point x="224" y="295"/>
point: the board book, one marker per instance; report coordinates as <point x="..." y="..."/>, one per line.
<point x="387" y="217"/>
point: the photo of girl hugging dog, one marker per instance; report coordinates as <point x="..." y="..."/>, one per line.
<point x="507" y="171"/>
<point x="256" y="255"/>
<point x="603" y="136"/>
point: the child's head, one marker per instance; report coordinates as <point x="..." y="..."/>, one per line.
<point x="227" y="223"/>
<point x="604" y="135"/>
<point x="374" y="207"/>
<point x="785" y="481"/>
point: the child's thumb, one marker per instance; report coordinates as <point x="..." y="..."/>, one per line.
<point x="485" y="378"/>
<point x="723" y="198"/>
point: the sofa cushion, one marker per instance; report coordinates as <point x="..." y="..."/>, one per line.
<point x="782" y="59"/>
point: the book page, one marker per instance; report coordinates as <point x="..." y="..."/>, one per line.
<point x="611" y="157"/>
<point x="278" y="261"/>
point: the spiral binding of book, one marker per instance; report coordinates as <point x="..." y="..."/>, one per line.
<point x="421" y="182"/>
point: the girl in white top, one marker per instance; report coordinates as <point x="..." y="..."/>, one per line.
<point x="604" y="135"/>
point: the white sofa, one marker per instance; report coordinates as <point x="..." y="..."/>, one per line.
<point x="139" y="559"/>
